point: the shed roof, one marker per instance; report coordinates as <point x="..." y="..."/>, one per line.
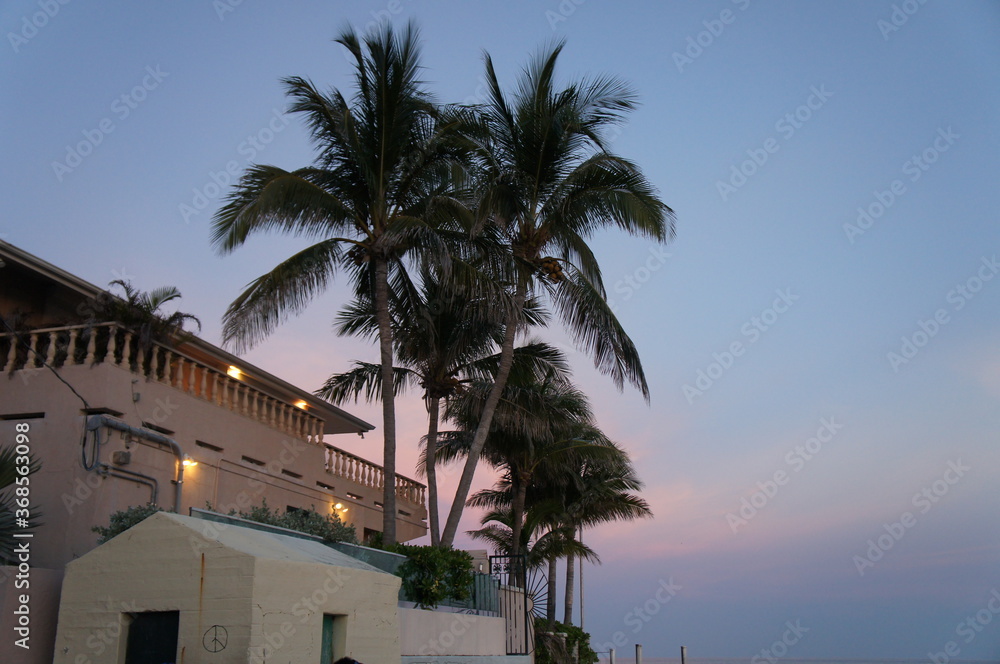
<point x="262" y="544"/>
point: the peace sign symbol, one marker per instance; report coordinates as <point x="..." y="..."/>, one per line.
<point x="215" y="638"/>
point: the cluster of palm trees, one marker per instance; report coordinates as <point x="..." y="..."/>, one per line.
<point x="460" y="229"/>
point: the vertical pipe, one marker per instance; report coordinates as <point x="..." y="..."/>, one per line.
<point x="638" y="653"/>
<point x="684" y="652"/>
<point x="611" y="656"/>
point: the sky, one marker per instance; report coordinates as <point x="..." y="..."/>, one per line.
<point x="821" y="338"/>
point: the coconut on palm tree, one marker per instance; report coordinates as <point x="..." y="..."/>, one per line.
<point x="382" y="172"/>
<point x="547" y="180"/>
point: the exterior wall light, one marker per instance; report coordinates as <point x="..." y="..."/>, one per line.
<point x="234" y="372"/>
<point x="188" y="461"/>
<point x="301" y="404"/>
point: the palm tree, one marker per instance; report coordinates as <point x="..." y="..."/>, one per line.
<point x="10" y="480"/>
<point x="142" y="312"/>
<point x="443" y="341"/>
<point x="602" y="491"/>
<point x="382" y="172"/>
<point x="542" y="430"/>
<point x="543" y="540"/>
<point x="548" y="181"/>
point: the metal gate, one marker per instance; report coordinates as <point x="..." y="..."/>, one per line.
<point x="523" y="595"/>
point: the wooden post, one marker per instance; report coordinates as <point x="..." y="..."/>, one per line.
<point x="684" y="652"/>
<point x="638" y="653"/>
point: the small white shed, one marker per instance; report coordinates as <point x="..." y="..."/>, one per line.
<point x="180" y="589"/>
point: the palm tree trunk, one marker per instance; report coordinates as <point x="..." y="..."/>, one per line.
<point x="550" y="608"/>
<point x="570" y="581"/>
<point x="486" y="419"/>
<point x="517" y="511"/>
<point x="433" y="413"/>
<point x="388" y="401"/>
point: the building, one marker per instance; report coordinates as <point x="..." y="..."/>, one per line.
<point x="182" y="589"/>
<point x="181" y="425"/>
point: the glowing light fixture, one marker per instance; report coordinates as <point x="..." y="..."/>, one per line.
<point x="338" y="506"/>
<point x="189" y="462"/>
<point x="301" y="404"/>
<point x="234" y="372"/>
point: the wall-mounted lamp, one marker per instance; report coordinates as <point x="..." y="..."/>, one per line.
<point x="189" y="462"/>
<point x="234" y="372"/>
<point x="301" y="404"/>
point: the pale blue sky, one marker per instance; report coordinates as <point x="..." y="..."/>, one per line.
<point x="887" y="95"/>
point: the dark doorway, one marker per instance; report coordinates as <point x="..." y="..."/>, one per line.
<point x="152" y="638"/>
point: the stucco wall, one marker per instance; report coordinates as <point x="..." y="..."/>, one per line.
<point x="439" y="633"/>
<point x="291" y="598"/>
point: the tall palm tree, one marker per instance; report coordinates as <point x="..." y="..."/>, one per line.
<point x="443" y="341"/>
<point x="602" y="491"/>
<point x="381" y="175"/>
<point x="548" y="181"/>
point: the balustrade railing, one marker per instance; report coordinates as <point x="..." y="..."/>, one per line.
<point x="358" y="470"/>
<point x="109" y="343"/>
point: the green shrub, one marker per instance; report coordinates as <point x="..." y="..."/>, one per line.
<point x="330" y="527"/>
<point x="576" y="638"/>
<point x="122" y="520"/>
<point x="309" y="521"/>
<point x="432" y="575"/>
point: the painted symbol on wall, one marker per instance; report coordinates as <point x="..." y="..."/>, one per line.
<point x="215" y="638"/>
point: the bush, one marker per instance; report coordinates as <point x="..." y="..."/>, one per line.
<point x="432" y="575"/>
<point x="122" y="520"/>
<point x="309" y="521"/>
<point x="330" y="528"/>
<point x="576" y="639"/>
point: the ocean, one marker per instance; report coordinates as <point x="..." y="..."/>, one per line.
<point x="629" y="658"/>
